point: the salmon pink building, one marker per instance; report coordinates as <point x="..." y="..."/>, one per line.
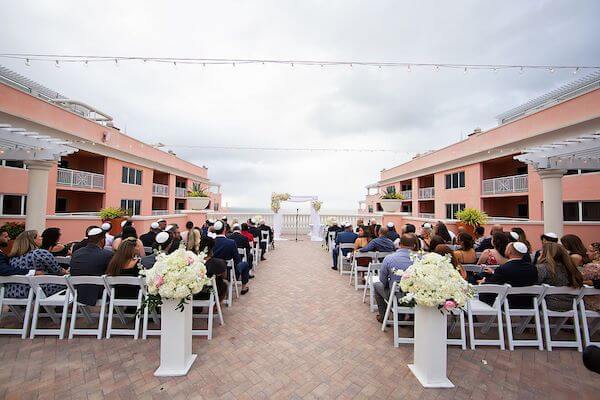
<point x="495" y="171"/>
<point x="103" y="168"/>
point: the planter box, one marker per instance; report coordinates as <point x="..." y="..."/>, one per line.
<point x="390" y="205"/>
<point x="197" y="203"/>
<point x="470" y="229"/>
<point x="176" y="356"/>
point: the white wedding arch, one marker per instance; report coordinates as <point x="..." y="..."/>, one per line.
<point x="315" y="206"/>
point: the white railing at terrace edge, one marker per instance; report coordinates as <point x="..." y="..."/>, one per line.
<point x="160" y="212"/>
<point x="180" y="192"/>
<point x="407" y="194"/>
<point x="426" y="193"/>
<point x="427" y="215"/>
<point x="506" y="184"/>
<point x="79" y="179"/>
<point x="160" y="189"/>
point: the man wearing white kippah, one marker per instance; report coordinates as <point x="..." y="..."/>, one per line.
<point x="516" y="272"/>
<point x="226" y="249"/>
<point x="148" y="237"/>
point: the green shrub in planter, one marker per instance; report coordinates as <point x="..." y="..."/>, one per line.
<point x="472" y="216"/>
<point x="112" y="213"/>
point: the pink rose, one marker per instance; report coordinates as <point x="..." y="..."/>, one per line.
<point x="449" y="305"/>
<point x="159" y="281"/>
<point x="190" y="260"/>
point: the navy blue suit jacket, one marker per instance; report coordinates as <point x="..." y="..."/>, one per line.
<point x="226" y="249"/>
<point x="346" y="237"/>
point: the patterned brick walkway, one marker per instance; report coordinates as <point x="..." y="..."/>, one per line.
<point x="301" y="332"/>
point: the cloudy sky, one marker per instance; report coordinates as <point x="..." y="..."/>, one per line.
<point x="271" y="106"/>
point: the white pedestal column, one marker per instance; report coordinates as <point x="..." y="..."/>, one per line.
<point x="176" y="356"/>
<point x="553" y="200"/>
<point x="277" y="222"/>
<point x="430" y="348"/>
<point x="37" y="194"/>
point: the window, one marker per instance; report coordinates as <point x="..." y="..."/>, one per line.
<point x="522" y="210"/>
<point x="452" y="209"/>
<point x="13" y="204"/>
<point x="181" y="184"/>
<point x="61" y="205"/>
<point x="571" y="211"/>
<point x="131" y="176"/>
<point x="180" y="205"/>
<point x="132" y="207"/>
<point x="13" y="164"/>
<point x="455" y="180"/>
<point x="521" y="170"/>
<point x="406" y="186"/>
<point x="591" y="210"/>
<point x="581" y="171"/>
<point x="390" y="189"/>
<point x="581" y="211"/>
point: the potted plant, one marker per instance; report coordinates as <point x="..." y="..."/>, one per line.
<point x="115" y="216"/>
<point x="197" y="199"/>
<point x="391" y="201"/>
<point x="13" y="229"/>
<point x="470" y="218"/>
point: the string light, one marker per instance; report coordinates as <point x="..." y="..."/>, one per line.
<point x="408" y="67"/>
<point x="57" y="65"/>
<point x="27" y="62"/>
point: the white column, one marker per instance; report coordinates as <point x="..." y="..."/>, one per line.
<point x="37" y="194"/>
<point x="553" y="199"/>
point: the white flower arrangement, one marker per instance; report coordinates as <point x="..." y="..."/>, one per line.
<point x="432" y="281"/>
<point x="330" y="221"/>
<point x="276" y="199"/>
<point x="177" y="276"/>
<point x="316" y="204"/>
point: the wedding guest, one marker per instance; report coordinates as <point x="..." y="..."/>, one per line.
<point x="129" y="232"/>
<point x="241" y="242"/>
<point x="443" y="250"/>
<point x="466" y="253"/>
<point x="83" y="242"/>
<point x="556" y="268"/>
<point x="591" y="276"/>
<point x="495" y="255"/>
<point x="442" y="230"/>
<point x="435" y="242"/>
<point x="392" y="234"/>
<point x="226" y="249"/>
<point x="147" y="238"/>
<point x="191" y="237"/>
<point x="27" y="255"/>
<point x="380" y="243"/>
<point x="364" y="237"/>
<point x="576" y="249"/>
<point x="125" y="263"/>
<point x="359" y="222"/>
<point x="50" y="242"/>
<point x="162" y="224"/>
<point x="91" y="260"/>
<point x="523" y="239"/>
<point x="5" y="268"/>
<point x="347" y="236"/>
<point x="214" y="267"/>
<point x="548" y="237"/>
<point x="486" y="242"/>
<point x="478" y="236"/>
<point x="108" y="238"/>
<point x="426" y="235"/>
<point x="245" y="231"/>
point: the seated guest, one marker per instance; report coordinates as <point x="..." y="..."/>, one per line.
<point x="359" y="222"/>
<point x="125" y="263"/>
<point x="266" y="228"/>
<point x="409" y="228"/>
<point x="400" y="260"/>
<point x="516" y="272"/>
<point x="26" y="255"/>
<point x="245" y="231"/>
<point x="425" y="236"/>
<point x="392" y="234"/>
<point x="50" y="238"/>
<point x="556" y="268"/>
<point x="380" y="243"/>
<point x="576" y="249"/>
<point x="148" y="237"/>
<point x="5" y="268"/>
<point x="129" y="232"/>
<point x="548" y="237"/>
<point x="523" y="239"/>
<point x="82" y="243"/>
<point x="204" y="228"/>
<point x="214" y="267"/>
<point x="108" y="238"/>
<point x="466" y="253"/>
<point x="253" y="229"/>
<point x="334" y="227"/>
<point x="478" y="236"/>
<point x="435" y="242"/>
<point x="591" y="358"/>
<point x="162" y="224"/>
<point x="495" y="255"/>
<point x="374" y="226"/>
<point x="347" y="236"/>
<point x="191" y="237"/>
<point x="226" y="249"/>
<point x="262" y="227"/>
<point x="161" y="244"/>
<point x="443" y="250"/>
<point x="91" y="260"/>
<point x="173" y="230"/>
<point x="442" y="230"/>
<point x="241" y="242"/>
<point x="591" y="274"/>
<point x="486" y="242"/>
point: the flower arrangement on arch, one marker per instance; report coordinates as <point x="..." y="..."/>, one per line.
<point x="432" y="281"/>
<point x="178" y="276"/>
<point x="276" y="199"/>
<point x="316" y="204"/>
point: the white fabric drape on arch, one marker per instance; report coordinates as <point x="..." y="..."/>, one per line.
<point x="315" y="221"/>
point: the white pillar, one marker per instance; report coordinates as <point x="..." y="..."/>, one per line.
<point x="553" y="200"/>
<point x="37" y="194"/>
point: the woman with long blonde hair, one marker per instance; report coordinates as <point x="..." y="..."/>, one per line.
<point x="556" y="268"/>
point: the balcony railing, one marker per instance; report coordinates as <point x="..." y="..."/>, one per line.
<point x="427" y="215"/>
<point x="426" y="193"/>
<point x="407" y="194"/>
<point x="180" y="192"/>
<point x="80" y="179"/>
<point x="160" y="190"/>
<point x="160" y="212"/>
<point x="507" y="184"/>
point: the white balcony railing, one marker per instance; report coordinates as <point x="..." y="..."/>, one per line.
<point x="407" y="194"/>
<point x="180" y="192"/>
<point x="507" y="184"/>
<point x="160" y="190"/>
<point x="427" y="215"/>
<point x="426" y="193"/>
<point x="80" y="179"/>
<point x="160" y="212"/>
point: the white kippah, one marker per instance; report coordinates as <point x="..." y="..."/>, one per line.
<point x="211" y="235"/>
<point x="520" y="247"/>
<point x="253" y="220"/>
<point x="551" y="235"/>
<point x="162" y="237"/>
<point x="514" y="235"/>
<point x="211" y="221"/>
<point x="154" y="225"/>
<point x="347" y="224"/>
<point x="106" y="226"/>
<point x="219" y="225"/>
<point x="427" y="225"/>
<point x="95" y="231"/>
<point x="123" y="223"/>
<point x="168" y="228"/>
<point x="236" y="227"/>
<point x="390" y="224"/>
<point x="161" y="220"/>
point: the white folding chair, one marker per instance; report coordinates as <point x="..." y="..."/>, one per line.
<point x="343" y="261"/>
<point x="478" y="307"/>
<point x="155" y="317"/>
<point x="14" y="304"/>
<point x="264" y="238"/>
<point x="331" y="241"/>
<point x="115" y="304"/>
<point x="462" y="340"/>
<point x="536" y="292"/>
<point x="242" y="253"/>
<point x="257" y="252"/>
<point x="73" y="282"/>
<point x="210" y="304"/>
<point x="371" y="255"/>
<point x="148" y="250"/>
<point x="371" y="278"/>
<point x="472" y="268"/>
<point x="577" y="294"/>
<point x="60" y="299"/>
<point x="585" y="314"/>
<point x="231" y="284"/>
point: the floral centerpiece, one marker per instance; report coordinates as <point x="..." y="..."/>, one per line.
<point x="276" y="199"/>
<point x="177" y="276"/>
<point x="432" y="281"/>
<point x="316" y="204"/>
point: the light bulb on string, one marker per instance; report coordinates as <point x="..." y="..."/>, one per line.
<point x="465" y="71"/>
<point x="116" y="62"/>
<point x="85" y="63"/>
<point x="27" y="62"/>
<point x="437" y="68"/>
<point x="56" y="64"/>
<point x="408" y="68"/>
<point x="175" y="63"/>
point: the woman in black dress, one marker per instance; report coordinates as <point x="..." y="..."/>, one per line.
<point x="125" y="263"/>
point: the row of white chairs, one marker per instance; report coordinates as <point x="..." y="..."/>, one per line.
<point x="44" y="306"/>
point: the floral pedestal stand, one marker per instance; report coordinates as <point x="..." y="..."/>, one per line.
<point x="176" y="356"/>
<point x="430" y="348"/>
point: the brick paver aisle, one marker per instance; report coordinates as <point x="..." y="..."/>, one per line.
<point x="301" y="332"/>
